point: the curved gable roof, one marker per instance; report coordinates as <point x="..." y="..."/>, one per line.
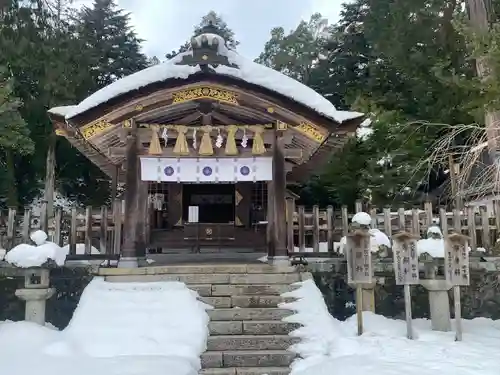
<point x="247" y="71"/>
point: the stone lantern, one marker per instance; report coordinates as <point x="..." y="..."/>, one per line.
<point x="36" y="292"/>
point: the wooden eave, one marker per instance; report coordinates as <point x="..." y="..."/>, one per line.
<point x="154" y="104"/>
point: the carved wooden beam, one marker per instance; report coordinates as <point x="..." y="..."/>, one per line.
<point x="144" y="135"/>
<point x="290" y="153"/>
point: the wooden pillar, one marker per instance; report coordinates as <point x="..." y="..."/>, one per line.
<point x="142" y="213"/>
<point x="279" y="200"/>
<point x="114" y="184"/>
<point x="129" y="248"/>
<point x="270" y="220"/>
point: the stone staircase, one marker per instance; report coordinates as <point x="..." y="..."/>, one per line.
<point x="247" y="334"/>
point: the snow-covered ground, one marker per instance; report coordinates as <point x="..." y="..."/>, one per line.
<point x="329" y="346"/>
<point x="117" y="329"/>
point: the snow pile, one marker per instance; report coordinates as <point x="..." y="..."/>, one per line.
<point x="333" y="347"/>
<point x="26" y="256"/>
<point x="377" y="239"/>
<point x="247" y="71"/>
<point x="362" y="218"/>
<point x="117" y="329"/>
<point x="433" y="245"/>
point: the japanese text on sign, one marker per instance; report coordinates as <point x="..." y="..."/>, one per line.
<point x="456" y="261"/>
<point x="359" y="260"/>
<point x="405" y="260"/>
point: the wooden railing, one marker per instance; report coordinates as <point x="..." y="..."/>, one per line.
<point x="308" y="230"/>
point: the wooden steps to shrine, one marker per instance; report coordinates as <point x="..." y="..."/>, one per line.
<point x="247" y="334"/>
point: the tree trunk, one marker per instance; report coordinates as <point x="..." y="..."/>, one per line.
<point x="479" y="17"/>
<point x="11" y="182"/>
<point x="50" y="174"/>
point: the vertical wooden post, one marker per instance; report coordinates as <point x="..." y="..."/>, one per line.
<point x="387" y="221"/>
<point x="290" y="211"/>
<point x="443" y="220"/>
<point x="485" y="223"/>
<point x="358" y="206"/>
<point x="270" y="219"/>
<point x="114" y="184"/>
<point x="142" y="211"/>
<point x="471" y="225"/>
<point x="117" y="221"/>
<point x="72" y="235"/>
<point x="44" y="217"/>
<point x="11" y="228"/>
<point x="279" y="190"/>
<point x="329" y="223"/>
<point x="57" y="225"/>
<point x="315" y="228"/>
<point x="26" y="224"/>
<point x="103" y="235"/>
<point x="88" y="230"/>
<point x="302" y="230"/>
<point x="402" y="219"/>
<point x="129" y="253"/>
<point x="345" y="221"/>
<point x="415" y="222"/>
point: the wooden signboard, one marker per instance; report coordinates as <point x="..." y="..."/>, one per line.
<point x="406" y="270"/>
<point x="456" y="260"/>
<point x="359" y="257"/>
<point x="405" y="259"/>
<point x="456" y="269"/>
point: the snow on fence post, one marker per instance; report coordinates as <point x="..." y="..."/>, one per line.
<point x="406" y="269"/>
<point x="360" y="272"/>
<point x="457" y="272"/>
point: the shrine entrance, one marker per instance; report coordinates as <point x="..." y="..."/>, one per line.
<point x="215" y="202"/>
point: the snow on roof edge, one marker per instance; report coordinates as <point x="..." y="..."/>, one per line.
<point x="248" y="71"/>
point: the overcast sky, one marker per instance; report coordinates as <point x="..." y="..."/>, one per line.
<point x="166" y="24"/>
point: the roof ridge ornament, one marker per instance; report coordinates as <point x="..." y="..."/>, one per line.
<point x="208" y="50"/>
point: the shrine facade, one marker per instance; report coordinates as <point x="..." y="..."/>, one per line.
<point x="205" y="145"/>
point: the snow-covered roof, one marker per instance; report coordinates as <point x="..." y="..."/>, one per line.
<point x="247" y="71"/>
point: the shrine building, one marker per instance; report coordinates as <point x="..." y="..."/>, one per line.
<point x="205" y="145"/>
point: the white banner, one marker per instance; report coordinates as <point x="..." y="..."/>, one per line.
<point x="206" y="169"/>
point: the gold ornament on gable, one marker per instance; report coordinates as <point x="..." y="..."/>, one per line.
<point x="91" y="130"/>
<point x="204" y="92"/>
<point x="312" y="131"/>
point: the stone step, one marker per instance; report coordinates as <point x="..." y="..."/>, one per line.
<point x="212" y="278"/>
<point x="247" y="358"/>
<point x="243" y="301"/>
<point x="250" y="342"/>
<point x="261" y="313"/>
<point x="198" y="269"/>
<point x="255" y="327"/>
<point x="251" y="289"/>
<point x="246" y="371"/>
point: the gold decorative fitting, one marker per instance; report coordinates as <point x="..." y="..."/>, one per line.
<point x="139" y="107"/>
<point x="280" y="125"/>
<point x="154" y="144"/>
<point x="231" y="148"/>
<point x="206" y="148"/>
<point x="204" y="92"/>
<point x="127" y="124"/>
<point x="204" y="57"/>
<point x="181" y="146"/>
<point x="258" y="147"/>
<point x="312" y="131"/>
<point x="270" y="109"/>
<point x="61" y="132"/>
<point x="91" y="130"/>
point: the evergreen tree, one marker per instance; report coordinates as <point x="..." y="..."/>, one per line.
<point x="14" y="140"/>
<point x="220" y="27"/>
<point x="110" y="42"/>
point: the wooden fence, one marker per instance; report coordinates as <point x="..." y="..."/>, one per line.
<point x="308" y="230"/>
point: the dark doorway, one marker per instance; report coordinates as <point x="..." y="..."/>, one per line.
<point x="215" y="202"/>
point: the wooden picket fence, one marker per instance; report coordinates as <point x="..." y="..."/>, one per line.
<point x="308" y="230"/>
<point x="318" y="230"/>
<point x="99" y="228"/>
